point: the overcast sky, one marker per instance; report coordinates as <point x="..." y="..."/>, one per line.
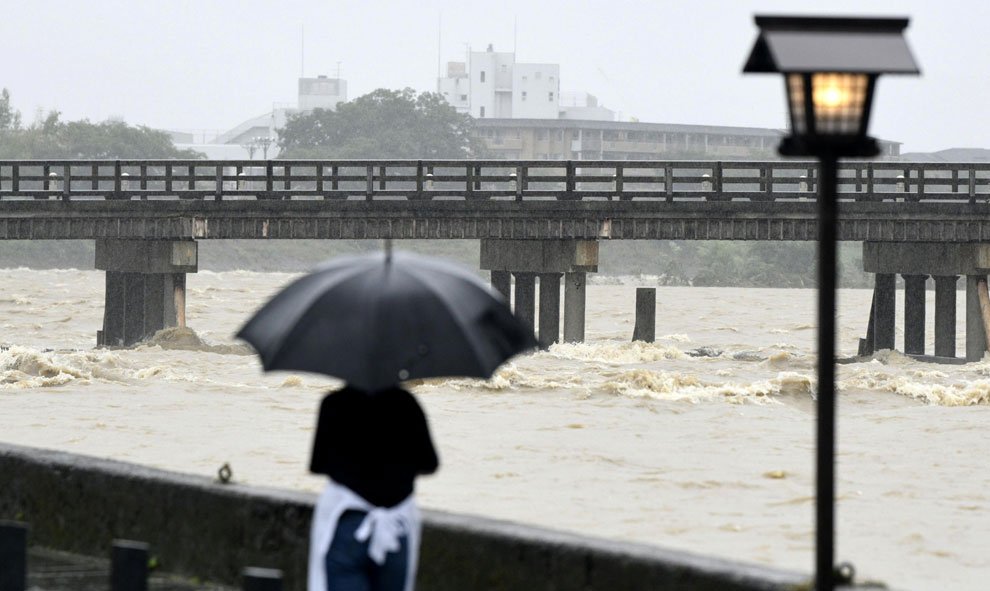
<point x="210" y="64"/>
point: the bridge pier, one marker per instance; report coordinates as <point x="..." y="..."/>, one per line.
<point x="915" y="262"/>
<point x="574" y="304"/>
<point x="549" y="309"/>
<point x="549" y="260"/>
<point x="976" y="337"/>
<point x="525" y="298"/>
<point x="914" y="314"/>
<point x="145" y="287"/>
<point x="945" y="315"/>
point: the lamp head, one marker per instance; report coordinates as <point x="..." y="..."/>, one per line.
<point x="830" y="68"/>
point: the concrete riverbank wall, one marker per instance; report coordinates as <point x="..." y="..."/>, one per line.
<point x="199" y="527"/>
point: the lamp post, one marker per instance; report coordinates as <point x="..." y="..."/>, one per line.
<point x="830" y="68"/>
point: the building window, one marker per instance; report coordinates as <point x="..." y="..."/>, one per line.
<point x="551" y="79"/>
<point x="463" y="97"/>
<point x="524" y="95"/>
<point x="482" y="114"/>
<point x="482" y="75"/>
<point x="550" y="94"/>
<point x="524" y="79"/>
<point x="538" y="75"/>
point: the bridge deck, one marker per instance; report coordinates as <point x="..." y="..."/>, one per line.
<point x="705" y="200"/>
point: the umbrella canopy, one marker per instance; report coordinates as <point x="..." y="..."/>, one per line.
<point x="375" y="320"/>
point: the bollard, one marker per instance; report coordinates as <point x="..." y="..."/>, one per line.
<point x="646" y="314"/>
<point x="262" y="579"/>
<point x="129" y="566"/>
<point x="13" y="556"/>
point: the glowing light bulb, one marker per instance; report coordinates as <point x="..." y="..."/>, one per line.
<point x="831" y="96"/>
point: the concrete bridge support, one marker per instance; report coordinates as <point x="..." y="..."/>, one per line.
<point x="145" y="287"/>
<point x="915" y="262"/>
<point x="885" y="308"/>
<point x="525" y="298"/>
<point x="549" y="308"/>
<point x="548" y="260"/>
<point x="914" y="314"/>
<point x="574" y="305"/>
<point x="945" y="315"/>
<point x="976" y="336"/>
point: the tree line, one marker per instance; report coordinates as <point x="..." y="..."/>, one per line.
<point x="49" y="137"/>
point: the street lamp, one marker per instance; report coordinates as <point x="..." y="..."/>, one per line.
<point x="830" y="68"/>
<point x="264" y="142"/>
<point x="258" y="141"/>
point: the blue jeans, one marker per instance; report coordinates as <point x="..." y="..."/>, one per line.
<point x="349" y="568"/>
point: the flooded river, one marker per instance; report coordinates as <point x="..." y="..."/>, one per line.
<point x="652" y="443"/>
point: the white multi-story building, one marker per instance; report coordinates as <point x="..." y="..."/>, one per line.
<point x="492" y="85"/>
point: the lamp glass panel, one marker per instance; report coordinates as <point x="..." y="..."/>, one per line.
<point x="795" y="99"/>
<point x="839" y="101"/>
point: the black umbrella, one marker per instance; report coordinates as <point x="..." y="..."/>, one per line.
<point x="374" y="320"/>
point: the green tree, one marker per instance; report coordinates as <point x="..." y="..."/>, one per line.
<point x="50" y="137"/>
<point x="382" y="124"/>
<point x="10" y="119"/>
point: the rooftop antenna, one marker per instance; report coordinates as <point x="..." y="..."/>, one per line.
<point x="515" y="20"/>
<point x="302" y="51"/>
<point x="338" y="70"/>
<point x="439" y="50"/>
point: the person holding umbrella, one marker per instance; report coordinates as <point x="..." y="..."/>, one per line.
<point x="375" y="321"/>
<point x="366" y="525"/>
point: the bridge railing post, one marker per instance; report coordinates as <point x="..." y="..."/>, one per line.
<point x="520" y="182"/>
<point x="369" y="189"/>
<point x="218" y="183"/>
<point x="668" y="180"/>
<point x="619" y="181"/>
<point x="66" y="182"/>
<point x="972" y="183"/>
<point x="269" y="179"/>
<point x="468" y="182"/>
<point x="419" y="179"/>
<point x="117" y="181"/>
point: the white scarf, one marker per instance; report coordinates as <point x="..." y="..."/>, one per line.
<point x="381" y="528"/>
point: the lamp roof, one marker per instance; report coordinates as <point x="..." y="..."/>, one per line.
<point x="831" y="44"/>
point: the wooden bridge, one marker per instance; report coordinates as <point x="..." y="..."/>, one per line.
<point x="487" y="199"/>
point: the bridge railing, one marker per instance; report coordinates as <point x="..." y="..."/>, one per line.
<point x="485" y="180"/>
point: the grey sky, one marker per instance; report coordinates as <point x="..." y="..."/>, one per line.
<point x="209" y="64"/>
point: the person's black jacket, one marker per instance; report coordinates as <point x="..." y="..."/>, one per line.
<point x="375" y="444"/>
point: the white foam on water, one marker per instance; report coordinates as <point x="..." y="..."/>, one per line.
<point x="614" y="352"/>
<point x="675" y="386"/>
